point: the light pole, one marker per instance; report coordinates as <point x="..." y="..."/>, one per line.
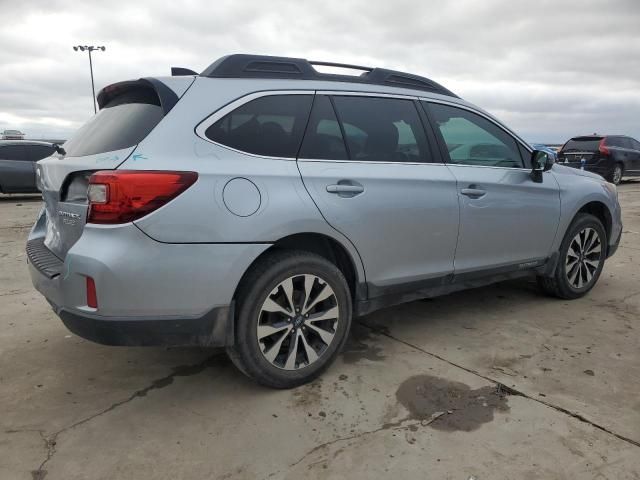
<point x="90" y="48"/>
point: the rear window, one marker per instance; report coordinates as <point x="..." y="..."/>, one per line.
<point x="38" y="152"/>
<point x="13" y="152"/>
<point x="122" y="123"/>
<point x="585" y="144"/>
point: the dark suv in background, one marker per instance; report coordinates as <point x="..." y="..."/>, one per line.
<point x="612" y="156"/>
<point x="17" y="164"/>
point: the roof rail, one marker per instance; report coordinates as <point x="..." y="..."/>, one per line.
<point x="263" y="66"/>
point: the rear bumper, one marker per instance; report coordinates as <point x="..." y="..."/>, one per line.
<point x="148" y="293"/>
<point x="214" y="329"/>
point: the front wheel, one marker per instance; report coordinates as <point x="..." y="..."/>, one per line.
<point x="582" y="256"/>
<point x="294" y="315"/>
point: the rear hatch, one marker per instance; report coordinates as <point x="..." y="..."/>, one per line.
<point x="578" y="148"/>
<point x="129" y="111"/>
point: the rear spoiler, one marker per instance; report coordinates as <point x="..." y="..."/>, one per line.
<point x="167" y="97"/>
<point x="179" y="71"/>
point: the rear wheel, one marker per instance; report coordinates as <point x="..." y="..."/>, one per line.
<point x="616" y="175"/>
<point x="582" y="256"/>
<point x="294" y="314"/>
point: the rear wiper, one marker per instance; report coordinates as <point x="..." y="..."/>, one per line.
<point x="59" y="149"/>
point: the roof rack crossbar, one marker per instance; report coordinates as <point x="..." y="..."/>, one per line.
<point x="263" y="66"/>
<point x="340" y="65"/>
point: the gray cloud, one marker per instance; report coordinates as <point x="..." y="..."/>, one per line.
<point x="549" y="69"/>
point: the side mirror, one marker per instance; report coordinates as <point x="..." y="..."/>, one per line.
<point x="541" y="161"/>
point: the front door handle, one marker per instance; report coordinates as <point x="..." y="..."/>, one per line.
<point x="345" y="189"/>
<point x="473" y="192"/>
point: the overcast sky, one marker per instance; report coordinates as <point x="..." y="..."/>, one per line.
<point x="549" y="69"/>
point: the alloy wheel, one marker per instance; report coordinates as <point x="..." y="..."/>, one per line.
<point x="617" y="174"/>
<point x="583" y="258"/>
<point x="297" y="322"/>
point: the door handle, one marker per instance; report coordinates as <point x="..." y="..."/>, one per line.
<point x="343" y="189"/>
<point x="473" y="192"/>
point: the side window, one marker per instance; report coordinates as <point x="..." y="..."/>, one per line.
<point x="473" y="140"/>
<point x="271" y="126"/>
<point x="12" y="152"/>
<point x="382" y="129"/>
<point x="323" y="138"/>
<point x="626" y="142"/>
<point x="635" y="144"/>
<point x="38" y="152"/>
<point x="613" y="142"/>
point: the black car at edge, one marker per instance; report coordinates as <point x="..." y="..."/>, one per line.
<point x="612" y="156"/>
<point x="17" y="164"/>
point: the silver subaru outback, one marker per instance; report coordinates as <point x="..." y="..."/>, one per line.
<point x="261" y="204"/>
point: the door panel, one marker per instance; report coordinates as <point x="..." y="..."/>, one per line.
<point x="506" y="219"/>
<point x="380" y="189"/>
<point x="514" y="221"/>
<point x="403" y="221"/>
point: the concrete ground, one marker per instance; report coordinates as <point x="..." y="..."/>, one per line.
<point x="499" y="382"/>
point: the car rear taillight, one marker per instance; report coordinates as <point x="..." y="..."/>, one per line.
<point x="121" y="196"/>
<point x="602" y="148"/>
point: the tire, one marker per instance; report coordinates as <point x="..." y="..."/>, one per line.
<point x="566" y="282"/>
<point x="262" y="301"/>
<point x="615" y="176"/>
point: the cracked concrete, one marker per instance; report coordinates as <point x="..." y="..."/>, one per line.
<point x="183" y="370"/>
<point x="76" y="410"/>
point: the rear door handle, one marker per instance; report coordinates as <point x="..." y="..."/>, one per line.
<point x="472" y="192"/>
<point x="345" y="189"/>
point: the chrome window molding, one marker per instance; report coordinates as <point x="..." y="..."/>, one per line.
<point x="352" y="93"/>
<point x="511" y="169"/>
<point x="369" y="162"/>
<point x="231" y="106"/>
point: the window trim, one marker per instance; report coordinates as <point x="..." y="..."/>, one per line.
<point x="201" y="128"/>
<point x="445" y="154"/>
<point x="205" y="123"/>
<point x="354" y="93"/>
